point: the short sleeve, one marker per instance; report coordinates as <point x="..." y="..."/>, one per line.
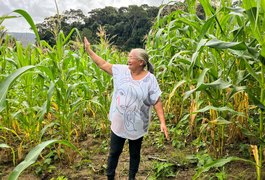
<point x="154" y="90"/>
<point x="118" y="69"/>
<point x="118" y="72"/>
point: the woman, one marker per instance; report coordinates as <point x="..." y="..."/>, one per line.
<point x="135" y="91"/>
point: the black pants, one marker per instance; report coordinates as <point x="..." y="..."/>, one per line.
<point x="116" y="146"/>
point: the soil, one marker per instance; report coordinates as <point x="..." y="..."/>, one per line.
<point x="92" y="163"/>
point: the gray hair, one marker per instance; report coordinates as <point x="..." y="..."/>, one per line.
<point x="141" y="54"/>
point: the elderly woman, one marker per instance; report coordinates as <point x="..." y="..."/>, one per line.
<point x="135" y="91"/>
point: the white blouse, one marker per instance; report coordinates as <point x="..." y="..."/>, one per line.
<point x="130" y="109"/>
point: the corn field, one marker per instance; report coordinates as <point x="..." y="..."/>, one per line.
<point x="211" y="72"/>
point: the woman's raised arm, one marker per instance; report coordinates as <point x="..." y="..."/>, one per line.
<point x="100" y="62"/>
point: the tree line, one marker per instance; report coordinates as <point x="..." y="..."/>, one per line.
<point x="126" y="27"/>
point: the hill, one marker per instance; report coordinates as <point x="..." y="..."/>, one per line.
<point x="25" y="38"/>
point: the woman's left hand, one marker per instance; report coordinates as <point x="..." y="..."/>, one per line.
<point x="163" y="128"/>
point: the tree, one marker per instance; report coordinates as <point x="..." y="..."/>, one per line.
<point x="49" y="29"/>
<point x="72" y="19"/>
<point x="125" y="26"/>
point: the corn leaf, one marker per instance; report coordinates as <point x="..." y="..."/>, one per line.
<point x="30" y="21"/>
<point x="218" y="84"/>
<point x="218" y="44"/>
<point x="218" y="163"/>
<point x="33" y="155"/>
<point x="5" y="85"/>
<point x="225" y="108"/>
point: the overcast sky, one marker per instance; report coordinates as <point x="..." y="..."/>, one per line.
<point x="39" y="9"/>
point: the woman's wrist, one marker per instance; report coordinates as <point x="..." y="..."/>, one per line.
<point x="162" y="122"/>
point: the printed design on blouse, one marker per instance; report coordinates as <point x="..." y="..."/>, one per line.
<point x="128" y="97"/>
<point x="132" y="101"/>
<point x="147" y="102"/>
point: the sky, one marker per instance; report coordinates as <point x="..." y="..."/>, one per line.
<point x="39" y="9"/>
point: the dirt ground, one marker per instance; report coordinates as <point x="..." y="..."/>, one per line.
<point x="92" y="163"/>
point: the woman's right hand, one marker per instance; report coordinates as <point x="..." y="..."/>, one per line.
<point x="87" y="44"/>
<point x="100" y="62"/>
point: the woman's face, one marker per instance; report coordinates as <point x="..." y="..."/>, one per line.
<point x="133" y="62"/>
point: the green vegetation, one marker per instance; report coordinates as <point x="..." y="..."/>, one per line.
<point x="127" y="26"/>
<point x="211" y="71"/>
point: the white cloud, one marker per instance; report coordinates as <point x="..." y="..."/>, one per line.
<point x="39" y="9"/>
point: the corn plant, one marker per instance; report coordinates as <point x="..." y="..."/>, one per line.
<point x="53" y="91"/>
<point x="255" y="11"/>
<point x="213" y="62"/>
